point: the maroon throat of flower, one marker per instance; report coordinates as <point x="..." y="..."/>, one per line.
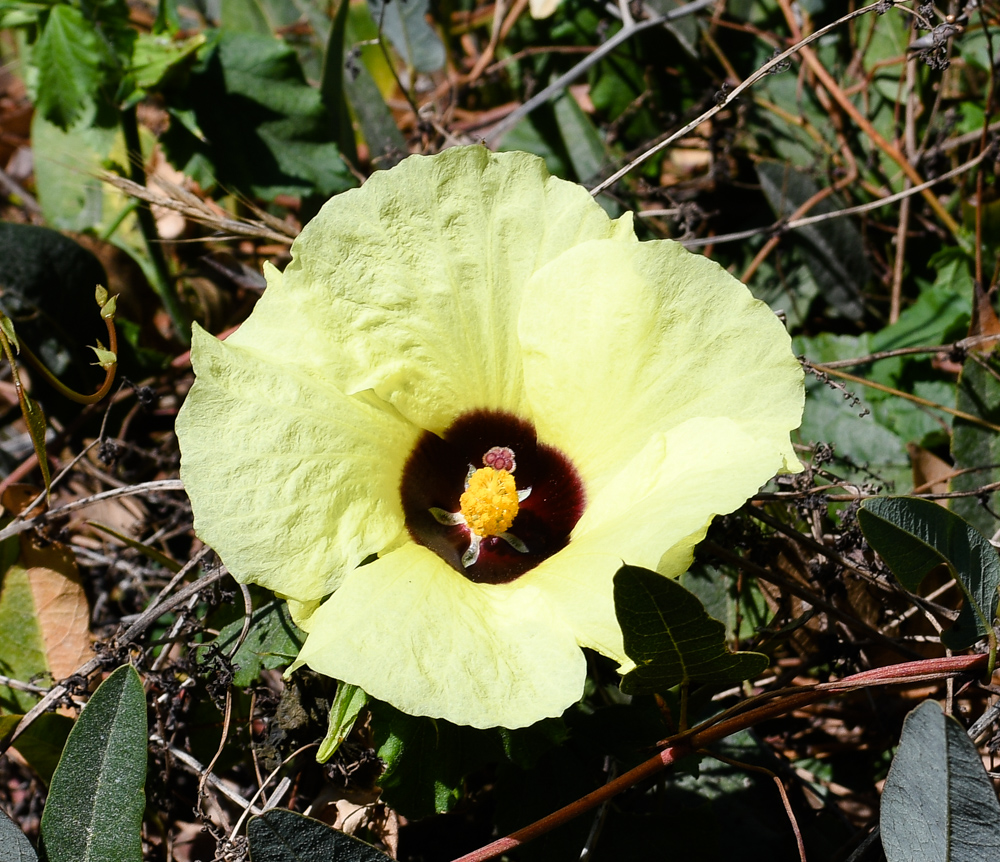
<point x="488" y="498"/>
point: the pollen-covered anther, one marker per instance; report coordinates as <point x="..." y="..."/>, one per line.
<point x="490" y="502"/>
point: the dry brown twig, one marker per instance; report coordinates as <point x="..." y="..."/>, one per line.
<point x="179" y="199"/>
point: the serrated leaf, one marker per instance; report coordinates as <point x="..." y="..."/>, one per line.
<point x="14" y="845"/>
<point x="155" y="57"/>
<point x="272" y="641"/>
<point x="914" y="536"/>
<point x="938" y="804"/>
<point x="671" y="638"/>
<point x="284" y="836"/>
<point x="263" y="128"/>
<point x="69" y="56"/>
<point x="96" y="799"/>
<point x="349" y="701"/>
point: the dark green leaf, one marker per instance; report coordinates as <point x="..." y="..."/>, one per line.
<point x="583" y="144"/>
<point x="96" y="799"/>
<point x="156" y="57"/>
<point x="14" y="846"/>
<point x="350" y="700"/>
<point x="835" y="251"/>
<point x="261" y="127"/>
<point x="914" y="536"/>
<point x="404" y="22"/>
<point x="426" y="759"/>
<point x="938" y="804"/>
<point x="671" y="638"/>
<point x="272" y="641"/>
<point x="34" y="418"/>
<point x="42" y="743"/>
<point x="363" y="63"/>
<point x="284" y="836"/>
<point x="69" y="56"/>
<point x="854" y="428"/>
<point x="48" y="283"/>
<point x="331" y="85"/>
<point x="976" y="450"/>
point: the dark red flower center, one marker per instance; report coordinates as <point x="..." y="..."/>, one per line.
<point x="435" y="475"/>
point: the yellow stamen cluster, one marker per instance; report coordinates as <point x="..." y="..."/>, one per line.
<point x="489" y="505"/>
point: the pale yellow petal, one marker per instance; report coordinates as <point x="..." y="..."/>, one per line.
<point x="411" y="285"/>
<point x="652" y="513"/>
<point x="542" y="8"/>
<point x="291" y="481"/>
<point x="624" y="340"/>
<point x="412" y="631"/>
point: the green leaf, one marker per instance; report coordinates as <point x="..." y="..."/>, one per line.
<point x="975" y="449"/>
<point x="96" y="800"/>
<point x="34" y="418"/>
<point x="671" y="637"/>
<point x="70" y="57"/>
<point x="583" y="144"/>
<point x="854" y="428"/>
<point x="331" y="86"/>
<point x="938" y="804"/>
<point x="834" y="249"/>
<point x="42" y="743"/>
<point x="426" y="759"/>
<point x="364" y="66"/>
<point x="14" y="845"/>
<point x="284" y="836"/>
<point x="272" y="641"/>
<point x="48" y="292"/>
<point x="22" y="649"/>
<point x="263" y="129"/>
<point x="405" y="23"/>
<point x="914" y="536"/>
<point x="350" y="700"/>
<point x="157" y="57"/>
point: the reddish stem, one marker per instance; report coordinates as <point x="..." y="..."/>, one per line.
<point x="762" y="709"/>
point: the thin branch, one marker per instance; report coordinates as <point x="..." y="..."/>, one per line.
<point x="193" y="766"/>
<point x="744" y="716"/>
<point x="16" y="526"/>
<point x="557" y="86"/>
<point x="792" y="224"/>
<point x="730" y="96"/>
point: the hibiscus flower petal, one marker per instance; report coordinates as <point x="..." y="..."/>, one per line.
<point x="409" y="629"/>
<point x="664" y="499"/>
<point x="624" y="340"/>
<point x="410" y="285"/>
<point x="300" y="481"/>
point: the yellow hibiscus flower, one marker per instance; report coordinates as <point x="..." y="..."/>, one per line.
<point x="472" y="375"/>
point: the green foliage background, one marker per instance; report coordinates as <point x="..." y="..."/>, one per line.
<point x="243" y="116"/>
